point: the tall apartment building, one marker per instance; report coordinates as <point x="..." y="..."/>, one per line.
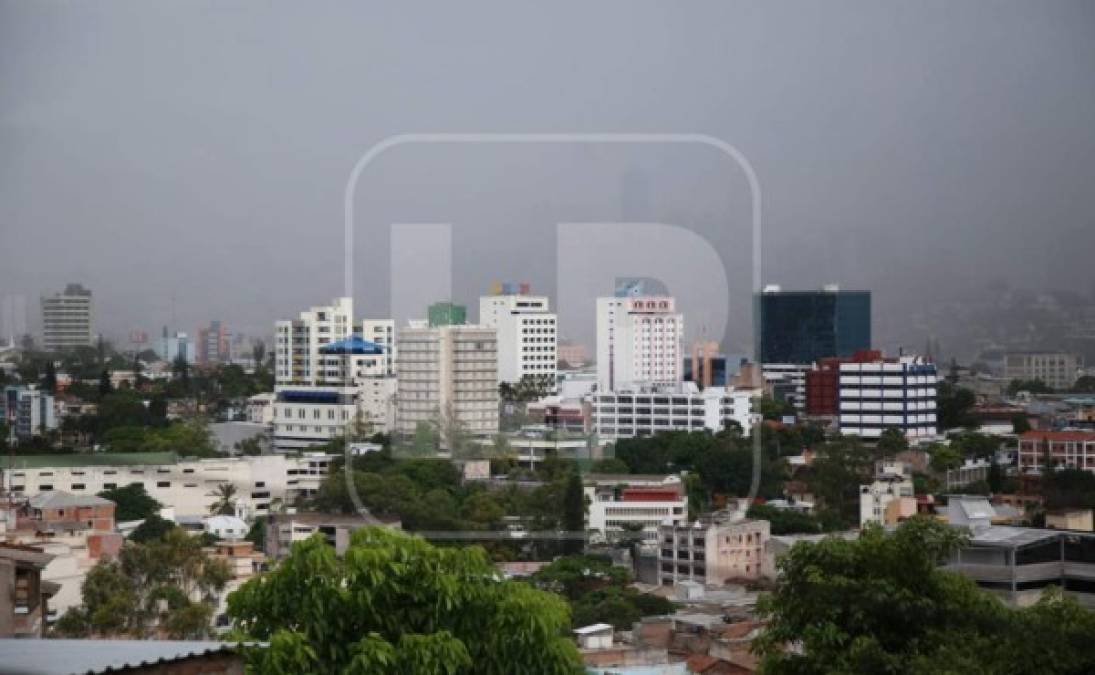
<point x="327" y="377"/>
<point x="527" y="336"/>
<point x="448" y="375"/>
<point x="213" y="344"/>
<point x="638" y="340"/>
<point x="382" y="332"/>
<point x="68" y="319"/>
<point x="804" y="326"/>
<point x="888" y="393"/>
<point x="1057" y="370"/>
<point x="34" y="413"/>
<point x="713" y="550"/>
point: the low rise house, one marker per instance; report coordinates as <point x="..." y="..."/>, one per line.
<point x="890" y="498"/>
<point x="617" y="502"/>
<point x="284" y="530"/>
<point x="23" y="594"/>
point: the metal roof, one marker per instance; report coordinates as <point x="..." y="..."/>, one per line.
<point x="57" y="499"/>
<point x="1003" y="536"/>
<point x="96" y="459"/>
<point x="71" y="657"/>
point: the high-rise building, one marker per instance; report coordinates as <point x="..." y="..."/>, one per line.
<point x="68" y="319"/>
<point x="34" y="414"/>
<point x="446" y="314"/>
<point x="527" y="338"/>
<point x="638" y="340"/>
<point x="1056" y="370"/>
<point x="382" y="332"/>
<point x="888" y="393"/>
<point x="13" y="317"/>
<point x="800" y="327"/>
<point x="177" y="346"/>
<point x="213" y="344"/>
<point x="328" y="377"/>
<point x="448" y="376"/>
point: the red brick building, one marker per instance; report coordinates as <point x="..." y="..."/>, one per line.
<point x="57" y="509"/>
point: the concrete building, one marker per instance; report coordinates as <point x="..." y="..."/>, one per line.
<point x="24" y="595"/>
<point x="1070" y="519"/>
<point x="1070" y="449"/>
<point x="68" y="319"/>
<point x="638" y="340"/>
<point x="214" y="345"/>
<point x="381" y="332"/>
<point x="804" y="326"/>
<point x="527" y="338"/>
<point x="34" y="413"/>
<point x="187" y="485"/>
<point x="645" y="412"/>
<point x="448" y="375"/>
<point x="713" y="550"/>
<point x="327" y="377"/>
<point x="890" y="498"/>
<point x="284" y="530"/>
<point x="1057" y="370"/>
<point x="177" y="346"/>
<point x="888" y="393"/>
<point x="787" y="382"/>
<point x="650" y="501"/>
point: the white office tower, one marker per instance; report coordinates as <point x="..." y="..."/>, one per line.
<point x="67" y="319"/>
<point x="527" y="339"/>
<point x="381" y="332"/>
<point x="448" y="378"/>
<point x="328" y="377"/>
<point x="638" y="340"/>
<point x="889" y="393"/>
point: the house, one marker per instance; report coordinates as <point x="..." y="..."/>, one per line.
<point x="713" y="550"/>
<point x="285" y="529"/>
<point x="24" y="595"/>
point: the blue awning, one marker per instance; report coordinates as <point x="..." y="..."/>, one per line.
<point x="352" y="345"/>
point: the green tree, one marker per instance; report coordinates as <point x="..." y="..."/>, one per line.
<point x="131" y="502"/>
<point x="955" y="405"/>
<point x="164" y="587"/>
<point x="882" y="604"/>
<point x="892" y="441"/>
<point x="224" y="503"/>
<point x="944" y="458"/>
<point x="394" y="604"/>
<point x="1033" y="386"/>
<point x="105" y="386"/>
<point x="153" y="528"/>
<point x="574" y="512"/>
<point x="610" y="465"/>
<point x="1084" y="384"/>
<point x="1020" y="423"/>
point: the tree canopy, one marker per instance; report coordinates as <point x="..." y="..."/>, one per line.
<point x="883" y="605"/>
<point x="396" y="604"/>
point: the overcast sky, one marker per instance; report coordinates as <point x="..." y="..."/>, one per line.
<point x="199" y="150"/>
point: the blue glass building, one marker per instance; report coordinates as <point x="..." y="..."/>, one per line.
<point x="804" y="326"/>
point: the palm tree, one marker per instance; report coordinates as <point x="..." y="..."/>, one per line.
<point x="225" y="505"/>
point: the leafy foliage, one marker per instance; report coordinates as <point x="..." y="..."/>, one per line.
<point x="598" y="591"/>
<point x="395" y="604"/>
<point x="131" y="502"/>
<point x="163" y="587"/>
<point x="882" y="605"/>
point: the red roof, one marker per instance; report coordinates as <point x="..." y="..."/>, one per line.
<point x="1058" y="436"/>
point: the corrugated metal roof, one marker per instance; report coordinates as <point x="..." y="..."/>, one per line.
<point x="72" y="657"/>
<point x="96" y="459"/>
